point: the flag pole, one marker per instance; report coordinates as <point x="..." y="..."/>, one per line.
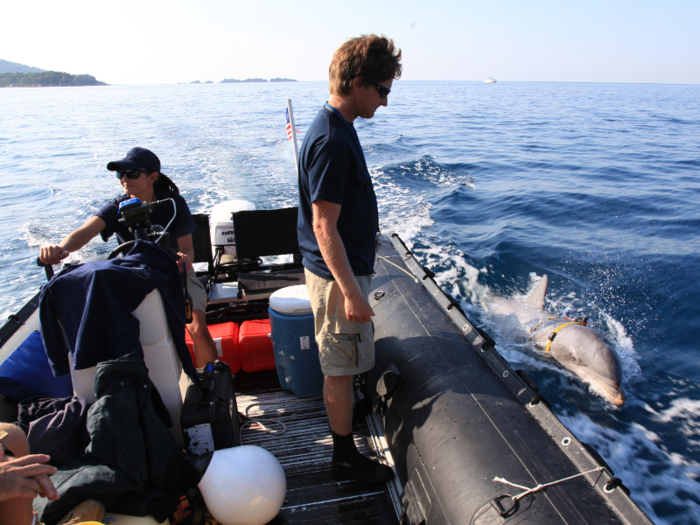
<point x="294" y="135"/>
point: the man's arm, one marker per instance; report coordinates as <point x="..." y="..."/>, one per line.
<point x="73" y="241"/>
<point x="325" y="223"/>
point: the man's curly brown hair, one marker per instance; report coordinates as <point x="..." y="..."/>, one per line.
<point x="372" y="57"/>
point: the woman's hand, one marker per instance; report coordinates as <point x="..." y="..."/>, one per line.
<point x="26" y="477"/>
<point x="184" y="259"/>
<point x="53" y="254"/>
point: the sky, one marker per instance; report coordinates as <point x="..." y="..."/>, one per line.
<point x="171" y="41"/>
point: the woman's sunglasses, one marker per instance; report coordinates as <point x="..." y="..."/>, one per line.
<point x="383" y="91"/>
<point x="133" y="175"/>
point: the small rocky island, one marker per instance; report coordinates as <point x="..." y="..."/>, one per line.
<point x="235" y="80"/>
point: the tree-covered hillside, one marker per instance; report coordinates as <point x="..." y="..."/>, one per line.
<point x="13" y="67"/>
<point x="47" y="78"/>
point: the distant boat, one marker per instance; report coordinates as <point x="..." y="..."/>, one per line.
<point x="488" y="79"/>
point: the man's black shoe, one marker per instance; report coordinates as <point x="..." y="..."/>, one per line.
<point x="362" y="469"/>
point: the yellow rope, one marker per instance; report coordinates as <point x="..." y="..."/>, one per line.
<point x="578" y="320"/>
<point x="551" y="337"/>
<point x="548" y="319"/>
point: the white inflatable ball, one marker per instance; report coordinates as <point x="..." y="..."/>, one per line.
<point x="243" y="486"/>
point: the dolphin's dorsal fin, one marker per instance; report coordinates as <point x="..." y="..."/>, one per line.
<point x="536" y="298"/>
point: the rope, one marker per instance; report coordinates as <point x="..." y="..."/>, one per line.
<point x="548" y="318"/>
<point x="578" y="320"/>
<point x="544" y="485"/>
<point x="551" y="337"/>
<point x="262" y="426"/>
<point x="399" y="267"/>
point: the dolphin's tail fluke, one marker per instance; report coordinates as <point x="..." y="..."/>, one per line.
<point x="536" y="298"/>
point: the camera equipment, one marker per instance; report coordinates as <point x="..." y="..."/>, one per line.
<point x="134" y="214"/>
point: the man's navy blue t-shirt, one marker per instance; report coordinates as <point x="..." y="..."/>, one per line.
<point x="160" y="215"/>
<point x="332" y="168"/>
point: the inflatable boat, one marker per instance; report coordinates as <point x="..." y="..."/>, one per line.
<point x="471" y="440"/>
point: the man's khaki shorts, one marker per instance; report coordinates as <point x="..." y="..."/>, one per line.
<point x="197" y="292"/>
<point x="345" y="348"/>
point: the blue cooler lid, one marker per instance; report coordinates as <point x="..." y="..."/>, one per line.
<point x="292" y="300"/>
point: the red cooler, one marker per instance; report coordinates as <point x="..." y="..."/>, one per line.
<point x="256" y="346"/>
<point x="225" y="336"/>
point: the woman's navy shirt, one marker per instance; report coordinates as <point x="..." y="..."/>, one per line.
<point x="161" y="215"/>
<point x="332" y="168"/>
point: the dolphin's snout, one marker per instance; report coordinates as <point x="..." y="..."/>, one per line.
<point x="618" y="399"/>
<point x="609" y="389"/>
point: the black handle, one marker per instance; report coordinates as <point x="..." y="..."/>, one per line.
<point x="47" y="268"/>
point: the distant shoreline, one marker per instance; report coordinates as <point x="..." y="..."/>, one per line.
<point x="95" y="82"/>
<point x="249" y="80"/>
<point x="47" y="79"/>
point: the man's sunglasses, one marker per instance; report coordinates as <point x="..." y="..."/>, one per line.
<point x="383" y="91"/>
<point x="133" y="175"/>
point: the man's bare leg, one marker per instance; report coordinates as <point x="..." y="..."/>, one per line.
<point x="338" y="396"/>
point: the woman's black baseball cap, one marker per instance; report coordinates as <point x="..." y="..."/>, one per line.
<point x="136" y="159"/>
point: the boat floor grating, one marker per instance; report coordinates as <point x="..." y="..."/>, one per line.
<point x="315" y="494"/>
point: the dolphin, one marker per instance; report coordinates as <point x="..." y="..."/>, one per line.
<point x="574" y="345"/>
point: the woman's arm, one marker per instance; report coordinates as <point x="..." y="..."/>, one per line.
<point x="186" y="252"/>
<point x="73" y="241"/>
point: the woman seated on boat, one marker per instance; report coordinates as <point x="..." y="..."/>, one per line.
<point x="140" y="177"/>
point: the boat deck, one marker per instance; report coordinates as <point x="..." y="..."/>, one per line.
<point x="315" y="494"/>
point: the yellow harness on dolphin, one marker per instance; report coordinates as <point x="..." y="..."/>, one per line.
<point x="579" y="320"/>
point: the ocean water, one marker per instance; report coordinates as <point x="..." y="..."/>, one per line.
<point x="492" y="185"/>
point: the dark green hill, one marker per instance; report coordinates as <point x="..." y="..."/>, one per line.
<point x="13" y="67"/>
<point x="47" y="78"/>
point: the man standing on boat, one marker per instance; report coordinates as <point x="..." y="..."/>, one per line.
<point x="337" y="230"/>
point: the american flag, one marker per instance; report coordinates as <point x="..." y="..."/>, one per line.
<point x="289" y="127"/>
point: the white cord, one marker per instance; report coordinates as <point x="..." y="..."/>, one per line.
<point x="171" y="220"/>
<point x="399" y="267"/>
<point x="262" y="426"/>
<point x="541" y="486"/>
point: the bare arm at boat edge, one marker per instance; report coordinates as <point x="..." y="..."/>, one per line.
<point x="26" y="477"/>
<point x="325" y="224"/>
<point x="73" y="241"/>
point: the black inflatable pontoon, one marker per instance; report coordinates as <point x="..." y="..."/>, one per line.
<point x="456" y="416"/>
